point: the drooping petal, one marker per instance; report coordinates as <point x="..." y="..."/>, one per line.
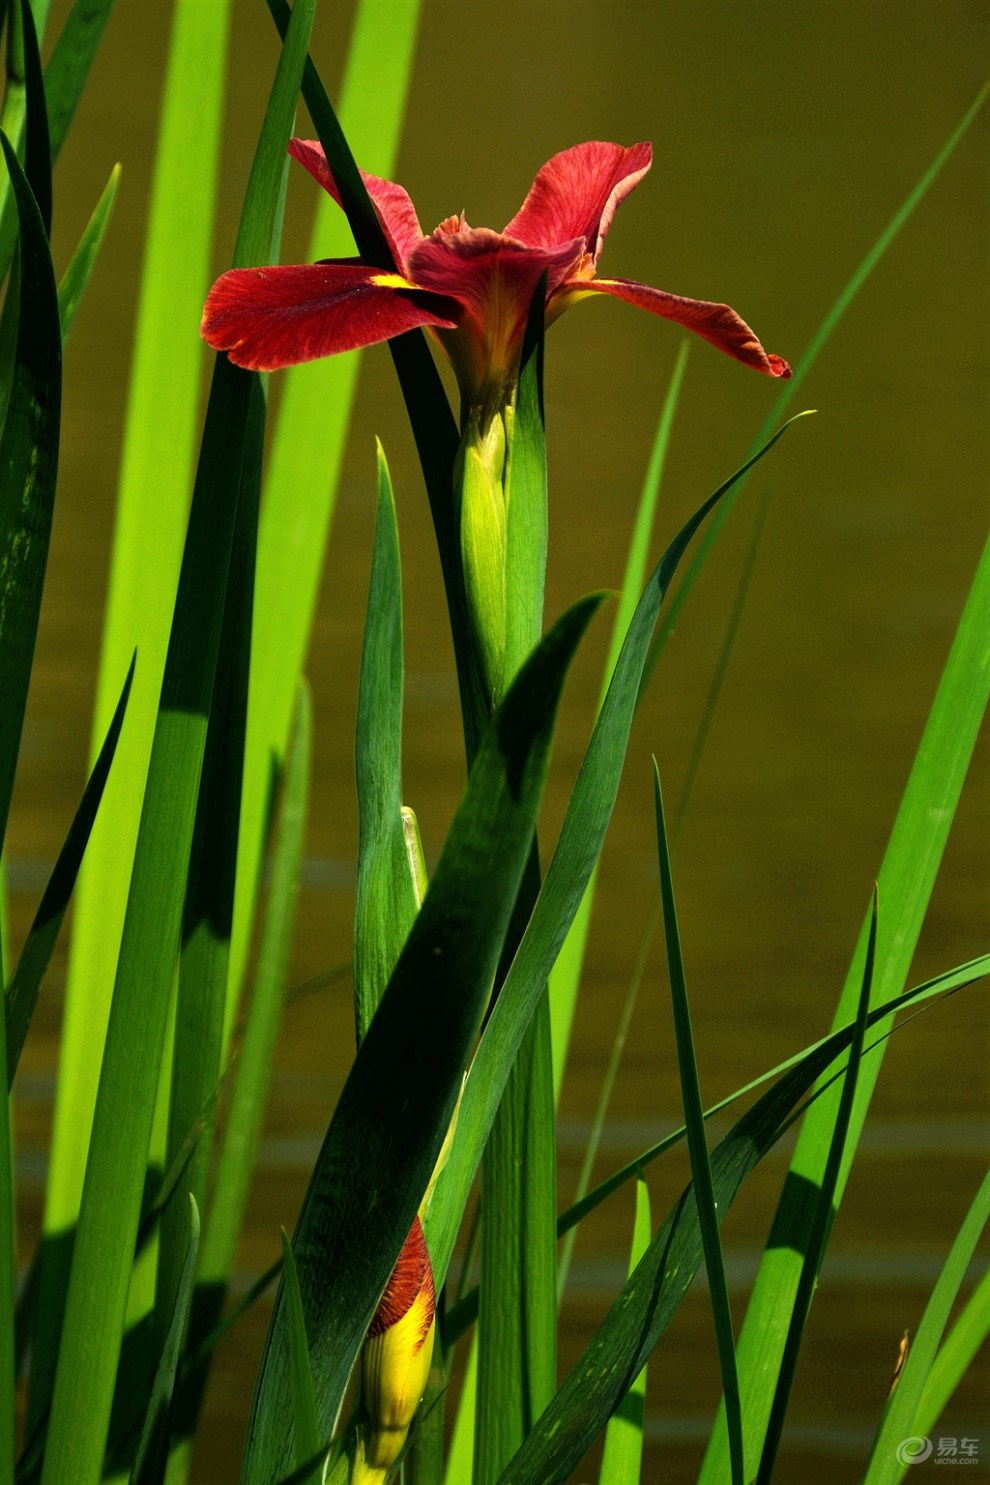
<point x="576" y="192"/>
<point x="716" y="323"/>
<point x="392" y="204"/>
<point x="494" y="278"/>
<point x="267" y="318"/>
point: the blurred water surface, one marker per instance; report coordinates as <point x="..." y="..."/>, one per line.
<point x="784" y="136"/>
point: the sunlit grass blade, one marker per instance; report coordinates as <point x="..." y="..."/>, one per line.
<point x="651" y="1297"/>
<point x="788" y="389"/>
<point x="241" y="1131"/>
<point x="395" y="1107"/>
<point x="697" y="1141"/>
<point x="307" y="450"/>
<point x="209" y="895"/>
<point x="954" y="1357"/>
<point x="37" y="151"/>
<point x="597" y="1126"/>
<point x="22" y="992"/>
<point x="906" y="879"/>
<point x="152" y="1454"/>
<point x="565" y="977"/>
<point x="433" y="425"/>
<point x="76" y="276"/>
<point x="305" y="1434"/>
<point x="28" y="466"/>
<point x="157" y="466"/>
<point x="821" y="1225"/>
<point x="385" y="900"/>
<point x="567" y="876"/>
<point x="69" y="64"/>
<point x="943" y="984"/>
<point x="136" y="1032"/>
<point x="900" y="1416"/>
<point x="622" y="1458"/>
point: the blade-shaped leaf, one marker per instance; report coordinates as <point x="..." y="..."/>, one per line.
<point x="75" y="278"/>
<point x="152" y="1453"/>
<point x="622" y="1456"/>
<point x="305" y="1435"/>
<point x="886" y="1465"/>
<point x="393" y="1112"/>
<point x="69" y="64"/>
<point x="122" y="1122"/>
<point x="697" y="1140"/>
<point x="28" y="467"/>
<point x="22" y="993"/>
<point x="37" y="151"/>
<point x="567" y="876"/>
<point x="385" y="899"/>
<point x="905" y="880"/>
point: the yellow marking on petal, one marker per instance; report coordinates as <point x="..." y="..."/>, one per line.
<point x="391" y="281"/>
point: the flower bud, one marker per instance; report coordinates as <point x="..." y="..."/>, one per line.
<point x="395" y="1361"/>
<point x="482" y="530"/>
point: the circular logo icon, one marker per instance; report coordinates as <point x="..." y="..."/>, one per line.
<point x="914" y="1450"/>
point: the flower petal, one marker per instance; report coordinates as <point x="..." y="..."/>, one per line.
<point x="576" y="192"/>
<point x="267" y="318"/>
<point x="494" y="277"/>
<point x="716" y="323"/>
<point x="392" y="204"/>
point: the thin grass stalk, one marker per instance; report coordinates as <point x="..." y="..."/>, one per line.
<point x="306" y="454"/>
<point x="155" y="477"/>
<point x="697" y="1140"/>
<point x="622" y="1456"/>
<point x="565" y="977"/>
<point x="906" y="879"/>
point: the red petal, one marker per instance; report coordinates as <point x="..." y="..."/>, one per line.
<point x="576" y="192"/>
<point x="267" y="318"/>
<point x="392" y="204"/>
<point x="716" y="323"/>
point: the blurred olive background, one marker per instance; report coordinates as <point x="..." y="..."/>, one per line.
<point x="784" y="136"/>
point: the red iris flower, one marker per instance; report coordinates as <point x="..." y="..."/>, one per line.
<point x="470" y="287"/>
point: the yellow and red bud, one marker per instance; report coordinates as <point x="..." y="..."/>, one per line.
<point x="395" y="1361"/>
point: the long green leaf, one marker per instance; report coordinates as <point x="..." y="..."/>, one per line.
<point x="954" y="1357"/>
<point x="821" y="1225"/>
<point x="789" y="389"/>
<point x="622" y="1457"/>
<point x="22" y="993"/>
<point x="75" y="278"/>
<point x="28" y="467"/>
<point x="397" y="1102"/>
<point x="37" y="151"/>
<point x="136" y="1032"/>
<point x="905" y="881"/>
<point x="886" y="1463"/>
<point x="943" y="984"/>
<point x="697" y="1141"/>
<point x="650" y="1298"/>
<point x="565" y="977"/>
<point x="305" y="1434"/>
<point x="157" y="466"/>
<point x="28" y="464"/>
<point x="308" y="448"/>
<point x="152" y="1453"/>
<point x="69" y="64"/>
<point x="385" y="900"/>
<point x="577" y="851"/>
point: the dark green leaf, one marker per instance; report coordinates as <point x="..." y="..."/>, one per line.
<point x="28" y="467"/>
<point x="37" y="151"/>
<point x="76" y="276"/>
<point x="22" y="993"/>
<point x="70" y="62"/>
<point x="390" y="1122"/>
